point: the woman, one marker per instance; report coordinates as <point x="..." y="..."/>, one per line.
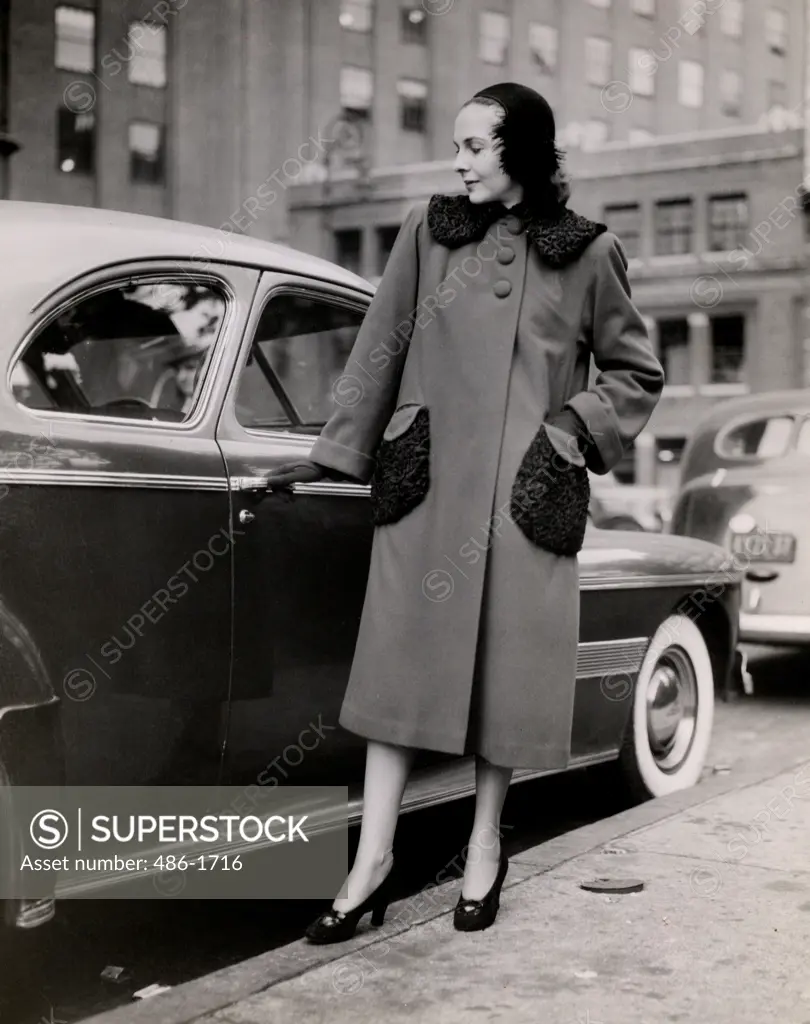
<point x="466" y="403"/>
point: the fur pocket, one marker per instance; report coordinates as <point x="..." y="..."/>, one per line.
<point x="402" y="467"/>
<point x="550" y="498"/>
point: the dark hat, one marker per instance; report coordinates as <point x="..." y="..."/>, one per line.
<point x="529" y="154"/>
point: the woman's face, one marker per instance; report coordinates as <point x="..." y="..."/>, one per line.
<point x="478" y="158"/>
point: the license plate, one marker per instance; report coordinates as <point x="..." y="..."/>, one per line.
<point x="764" y="547"/>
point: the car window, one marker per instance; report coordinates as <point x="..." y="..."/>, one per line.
<point x="766" y="437"/>
<point x="137" y="350"/>
<point x="300" y="349"/>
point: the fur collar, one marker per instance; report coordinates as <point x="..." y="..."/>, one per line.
<point x="455" y="221"/>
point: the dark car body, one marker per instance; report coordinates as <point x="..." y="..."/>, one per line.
<point x="163" y="618"/>
<point x="745" y="485"/>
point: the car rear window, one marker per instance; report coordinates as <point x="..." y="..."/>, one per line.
<point x="137" y="350"/>
<point x="766" y="437"/>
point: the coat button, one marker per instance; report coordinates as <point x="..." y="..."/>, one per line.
<point x="506" y="254"/>
<point x="502" y="288"/>
<point x="514" y="224"/>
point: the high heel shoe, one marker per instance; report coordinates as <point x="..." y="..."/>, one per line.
<point x="475" y="915"/>
<point x="338" y="926"/>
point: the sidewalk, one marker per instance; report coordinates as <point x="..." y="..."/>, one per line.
<point x="721" y="932"/>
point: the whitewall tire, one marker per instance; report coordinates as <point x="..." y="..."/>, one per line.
<point x="668" y="737"/>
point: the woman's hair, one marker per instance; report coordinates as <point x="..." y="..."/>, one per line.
<point x="531" y="158"/>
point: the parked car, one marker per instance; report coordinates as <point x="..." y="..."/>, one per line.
<point x="745" y="484"/>
<point x="629" y="506"/>
<point x="165" y="619"/>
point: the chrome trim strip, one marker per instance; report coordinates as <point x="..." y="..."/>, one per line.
<point x="598" y="658"/>
<point x="682" y="579"/>
<point x="104" y="478"/>
<point x="774" y="627"/>
<point x="334" y="488"/>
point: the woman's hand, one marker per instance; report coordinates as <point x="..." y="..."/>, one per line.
<point x="303" y="471"/>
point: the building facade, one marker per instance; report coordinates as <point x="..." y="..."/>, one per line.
<point x="319" y="122"/>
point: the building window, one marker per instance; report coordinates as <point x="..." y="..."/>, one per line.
<point x="673" y="350"/>
<point x="644" y="7"/>
<point x="347" y="249"/>
<point x="494" y="37"/>
<point x="356" y="91"/>
<point x="776" y="31"/>
<point x="412" y="104"/>
<point x="690" y="83"/>
<point x="731" y="93"/>
<point x="75" y="34"/>
<point x="777" y="95"/>
<point x="599" y="3"/>
<point x="640" y="136"/>
<point x="693" y="14"/>
<point x="594" y="133"/>
<point x="642" y="66"/>
<point x="543" y="46"/>
<point x="147" y="44"/>
<point x="146" y="152"/>
<point x="598" y="59"/>
<point x="356" y="15"/>
<point x="728" y="222"/>
<point x="386" y="236"/>
<point x="624" y="220"/>
<point x="413" y="25"/>
<point x="76" y="142"/>
<point x="731" y="18"/>
<point x="673" y="227"/>
<point x="728" y="349"/>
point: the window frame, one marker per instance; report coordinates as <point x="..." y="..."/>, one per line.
<point x="645" y="8"/>
<point x="593" y="64"/>
<point x="131" y="63"/>
<point x="93" y="44"/>
<point x="290" y="286"/>
<point x="63" y="111"/>
<point x="507" y="39"/>
<point x="686" y="202"/>
<point x="638" y="74"/>
<point x="725" y="76"/>
<point x="405" y="101"/>
<point x="726" y="20"/>
<point x="638" y="210"/>
<point x="712" y="201"/>
<point x="363" y="113"/>
<point x="185" y="271"/>
<point x="777" y="47"/>
<point x="554" y="32"/>
<point x="159" y="182"/>
<point x="405" y="23"/>
<point x="689" y="63"/>
<point x="367" y="7"/>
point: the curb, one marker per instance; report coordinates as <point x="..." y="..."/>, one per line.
<point x="221" y="989"/>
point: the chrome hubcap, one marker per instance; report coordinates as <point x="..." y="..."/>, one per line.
<point x="671" y="709"/>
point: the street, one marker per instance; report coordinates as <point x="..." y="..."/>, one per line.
<point x="58" y="977"/>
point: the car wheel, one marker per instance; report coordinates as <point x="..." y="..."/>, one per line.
<point x="670" y="728"/>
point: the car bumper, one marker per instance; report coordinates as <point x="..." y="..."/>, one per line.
<point x="775" y="628"/>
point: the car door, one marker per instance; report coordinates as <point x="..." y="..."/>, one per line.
<point x="301" y="559"/>
<point x="118" y="551"/>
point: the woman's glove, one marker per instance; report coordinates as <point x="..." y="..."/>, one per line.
<point x="303" y="471"/>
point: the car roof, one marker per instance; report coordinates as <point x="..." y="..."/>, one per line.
<point x="795" y="400"/>
<point x="45" y="245"/>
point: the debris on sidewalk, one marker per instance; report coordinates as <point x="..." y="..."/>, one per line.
<point x="613" y="885"/>
<point x="118" y="975"/>
<point x="150" y="990"/>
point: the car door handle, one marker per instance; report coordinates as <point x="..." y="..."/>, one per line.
<point x="761" y="575"/>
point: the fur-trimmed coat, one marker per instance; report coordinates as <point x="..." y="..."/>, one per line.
<point x="465" y="389"/>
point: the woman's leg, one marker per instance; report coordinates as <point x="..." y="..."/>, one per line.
<point x="387" y="769"/>
<point x="484" y="851"/>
